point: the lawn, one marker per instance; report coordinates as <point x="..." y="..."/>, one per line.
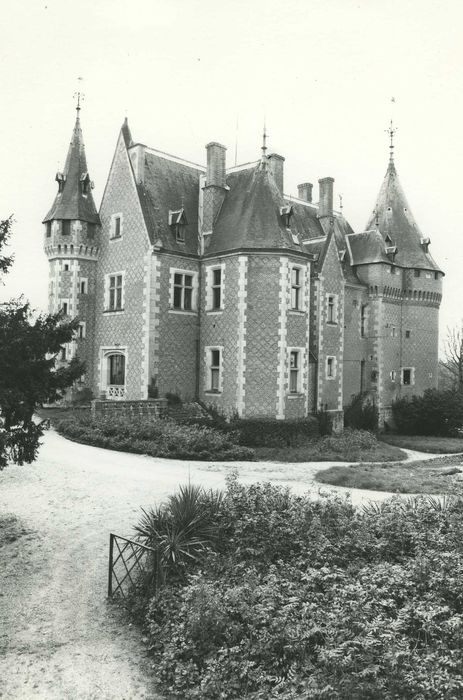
<point x="435" y="476"/>
<point x="333" y="450"/>
<point x="425" y="443"/>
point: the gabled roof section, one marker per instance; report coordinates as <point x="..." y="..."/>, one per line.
<point x="170" y="186"/>
<point x="74" y="199"/>
<point x="392" y="217"/>
<point x="251" y="215"/>
<point x="368" y="247"/>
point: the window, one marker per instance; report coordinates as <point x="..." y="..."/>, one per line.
<point x="116" y="370"/>
<point x="436" y="275"/>
<point x="407" y="376"/>
<point x="81" y="330"/>
<point x="83" y="286"/>
<point x="363" y="320"/>
<point x="417" y="273"/>
<point x="63" y="352"/>
<point x="217" y="288"/>
<point x="393" y="332"/>
<point x="294" y="371"/>
<point x="392" y="375"/>
<point x="48" y="228"/>
<point x="65" y="308"/>
<point x="65" y="227"/>
<point x="114" y="292"/>
<point x="408" y="334"/>
<point x="330" y="367"/>
<point x="183" y="291"/>
<point x="66" y="267"/>
<point x="296" y="288"/>
<point x="91" y="231"/>
<point x="116" y="226"/>
<point x="332" y="311"/>
<point x="177" y="223"/>
<point x="213" y="370"/>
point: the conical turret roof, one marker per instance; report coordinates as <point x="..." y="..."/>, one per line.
<point x="74" y="199"/>
<point x="392" y="217"/>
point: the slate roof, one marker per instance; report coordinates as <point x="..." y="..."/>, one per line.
<point x="72" y="203"/>
<point x="251" y="218"/>
<point x="368" y="247"/>
<point x="394" y="219"/>
<point x="169" y="186"/>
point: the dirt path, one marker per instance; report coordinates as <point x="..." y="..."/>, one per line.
<point x="59" y="639"/>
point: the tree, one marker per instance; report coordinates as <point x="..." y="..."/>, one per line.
<point x="453" y="362"/>
<point x="29" y="375"/>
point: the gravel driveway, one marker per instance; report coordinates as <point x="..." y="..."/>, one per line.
<point x="59" y="639"/>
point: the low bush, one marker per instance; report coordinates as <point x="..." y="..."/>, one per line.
<point x="259" y="432"/>
<point x="162" y="438"/>
<point x="361" y="414"/>
<point x="315" y="599"/>
<point x="436" y="412"/>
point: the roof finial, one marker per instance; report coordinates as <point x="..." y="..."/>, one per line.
<point x="340" y="203"/>
<point x="79" y="95"/>
<point x="264" y="142"/>
<point x="391" y="131"/>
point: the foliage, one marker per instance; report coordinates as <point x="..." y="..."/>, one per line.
<point x="316" y="599"/>
<point x="325" y="421"/>
<point x="160" y="438"/>
<point x="361" y="413"/>
<point x="453" y="361"/>
<point x="29" y="377"/>
<point x="434" y="413"/>
<point x="6" y="261"/>
<point x="173" y="399"/>
<point x="269" y="432"/>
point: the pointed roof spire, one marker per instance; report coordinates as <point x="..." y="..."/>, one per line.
<point x="391" y="131"/>
<point x="74" y="199"/>
<point x="264" y="147"/>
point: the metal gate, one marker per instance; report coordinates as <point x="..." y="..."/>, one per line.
<point x="127" y="564"/>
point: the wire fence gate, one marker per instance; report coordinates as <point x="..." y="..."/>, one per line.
<point x="127" y="564"/>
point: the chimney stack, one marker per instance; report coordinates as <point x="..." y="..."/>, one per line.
<point x="216" y="174"/>
<point x="276" y="166"/>
<point x="325" y="204"/>
<point x="304" y="191"/>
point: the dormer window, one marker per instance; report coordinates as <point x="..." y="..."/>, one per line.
<point x="391" y="252"/>
<point x="388" y="239"/>
<point x="177" y="223"/>
<point x="85" y="183"/>
<point x="60" y="179"/>
<point x="286" y="212"/>
<point x="342" y="255"/>
<point x="425" y="244"/>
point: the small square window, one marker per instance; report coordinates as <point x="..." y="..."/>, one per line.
<point x="408" y="334"/>
<point x="66" y="267"/>
<point x="417" y="273"/>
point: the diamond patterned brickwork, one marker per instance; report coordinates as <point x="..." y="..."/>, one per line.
<point x="125" y="254"/>
<point x="221" y="329"/>
<point x="357" y="349"/>
<point x="175" y="336"/>
<point x="330" y="334"/>
<point x="262" y="334"/>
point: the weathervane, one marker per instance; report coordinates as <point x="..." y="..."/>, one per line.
<point x="391" y="131"/>
<point x="340" y="202"/>
<point x="79" y="95"/>
<point x="264" y="142"/>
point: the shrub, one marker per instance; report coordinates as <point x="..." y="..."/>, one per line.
<point x="267" y="432"/>
<point x="162" y="438"/>
<point x="361" y="414"/>
<point x="434" y="413"/>
<point x="173" y="399"/>
<point x="325" y="421"/>
<point x="315" y="599"/>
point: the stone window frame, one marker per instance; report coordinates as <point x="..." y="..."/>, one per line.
<point x="115" y="235"/>
<point x="83" y="285"/>
<point x="332" y="310"/>
<point x="65" y="306"/>
<point x="105" y="353"/>
<point x="364" y="313"/>
<point x="334" y="365"/>
<point x="412" y="376"/>
<point x="210" y="269"/>
<point x="107" y="287"/>
<point x="210" y="368"/>
<point x="81" y="330"/>
<point x="194" y="294"/>
<point x="393" y="375"/>
<point x="300" y="286"/>
<point x="299" y="354"/>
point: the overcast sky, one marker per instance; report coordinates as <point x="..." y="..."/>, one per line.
<point x="186" y="72"/>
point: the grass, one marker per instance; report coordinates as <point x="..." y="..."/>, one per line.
<point x="435" y="476"/>
<point x="315" y="452"/>
<point x="425" y="443"/>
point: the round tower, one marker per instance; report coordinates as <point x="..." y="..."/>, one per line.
<point x="71" y="243"/>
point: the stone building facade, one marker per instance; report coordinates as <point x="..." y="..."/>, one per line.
<point x="210" y="283"/>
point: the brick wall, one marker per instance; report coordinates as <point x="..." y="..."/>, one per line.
<point x="126" y="329"/>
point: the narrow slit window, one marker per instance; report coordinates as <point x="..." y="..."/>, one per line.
<point x="296" y="288"/>
<point x="294" y="372"/>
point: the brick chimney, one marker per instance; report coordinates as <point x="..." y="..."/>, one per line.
<point x="276" y="167"/>
<point x="304" y="191"/>
<point x="325" y="204"/>
<point x="215" y="164"/>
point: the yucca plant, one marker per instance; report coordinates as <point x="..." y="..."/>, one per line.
<point x="180" y="531"/>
